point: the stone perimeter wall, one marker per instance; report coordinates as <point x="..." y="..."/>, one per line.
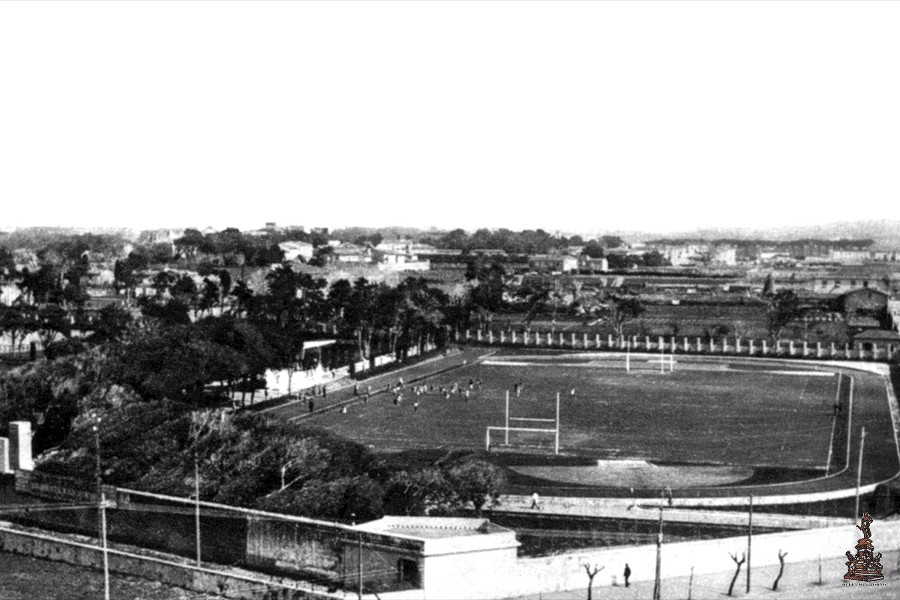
<point x="150" y="566"/>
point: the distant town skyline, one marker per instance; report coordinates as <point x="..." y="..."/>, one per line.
<point x="574" y="117"/>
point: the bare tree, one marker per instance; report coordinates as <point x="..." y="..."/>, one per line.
<point x="781" y="556"/>
<point x="591" y="573"/>
<point x="737" y="572"/>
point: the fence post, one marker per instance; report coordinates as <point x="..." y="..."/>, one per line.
<point x="584" y="340"/>
<point x="751" y="350"/>
<point x="478" y="334"/>
<point x="818" y="349"/>
<point x="609" y="340"/>
<point x="513" y="334"/>
<point x="790" y="347"/>
<point x="833" y="350"/>
<point x="765" y="350"/>
<point x="805" y="348"/>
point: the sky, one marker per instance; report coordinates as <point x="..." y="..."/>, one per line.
<point x="568" y="116"/>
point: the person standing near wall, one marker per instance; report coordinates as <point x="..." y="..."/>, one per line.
<point x="627" y="574"/>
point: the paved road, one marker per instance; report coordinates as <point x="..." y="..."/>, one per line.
<point x="800" y="580"/>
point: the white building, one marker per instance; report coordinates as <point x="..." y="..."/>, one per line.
<point x="295" y="250"/>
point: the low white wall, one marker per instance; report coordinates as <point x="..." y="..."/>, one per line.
<point x="566" y="572"/>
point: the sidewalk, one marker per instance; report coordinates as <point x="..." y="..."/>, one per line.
<point x="800" y="580"/>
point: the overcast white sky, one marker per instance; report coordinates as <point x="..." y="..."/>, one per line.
<point x="566" y="116"/>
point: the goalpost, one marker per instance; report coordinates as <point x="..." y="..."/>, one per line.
<point x="664" y="360"/>
<point x="506" y="428"/>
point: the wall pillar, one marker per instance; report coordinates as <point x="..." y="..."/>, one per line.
<point x="818" y="349"/>
<point x="737" y="345"/>
<point x="765" y="350"/>
<point x="609" y="340"/>
<point x="805" y="348"/>
<point x="724" y="345"/>
<point x="699" y="345"/>
<point x="573" y="339"/>
<point x="490" y="336"/>
<point x="751" y="350"/>
<point x="513" y="336"/>
<point x="790" y="347"/>
<point x="584" y="340"/>
<point x="646" y="343"/>
<point x="833" y="350"/>
<point x="478" y="335"/>
<point x="549" y="338"/>
<point x="597" y="340"/>
<point x="846" y="350"/>
<point x="20" y="446"/>
<point x="4" y="456"/>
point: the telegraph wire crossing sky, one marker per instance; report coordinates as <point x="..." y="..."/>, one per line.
<point x="574" y="116"/>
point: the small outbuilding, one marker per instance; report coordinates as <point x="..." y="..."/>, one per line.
<point x="444" y="557"/>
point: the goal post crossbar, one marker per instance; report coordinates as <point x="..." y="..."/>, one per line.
<point x="530" y="419"/>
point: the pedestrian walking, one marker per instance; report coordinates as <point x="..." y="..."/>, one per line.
<point x="356" y="389"/>
<point x="535" y="501"/>
<point x="312" y="405"/>
<point x="627" y="574"/>
<point x="415" y="406"/>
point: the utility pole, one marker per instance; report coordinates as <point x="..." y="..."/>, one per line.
<point x="102" y="510"/>
<point x="506" y="439"/>
<point x="862" y="441"/>
<point x="556" y="449"/>
<point x="359" y="570"/>
<point x="657" y="584"/>
<point x="197" y="504"/>
<point x="749" y="541"/>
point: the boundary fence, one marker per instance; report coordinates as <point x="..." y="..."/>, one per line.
<point x="722" y="346"/>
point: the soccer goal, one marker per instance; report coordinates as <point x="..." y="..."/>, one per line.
<point x="510" y="421"/>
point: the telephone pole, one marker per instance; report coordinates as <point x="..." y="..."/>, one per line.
<point x="657" y="584"/>
<point x="197" y="505"/>
<point x="862" y="441"/>
<point x="749" y="541"/>
<point x="102" y="510"/>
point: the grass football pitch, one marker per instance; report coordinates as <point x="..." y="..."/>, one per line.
<point x="703" y="413"/>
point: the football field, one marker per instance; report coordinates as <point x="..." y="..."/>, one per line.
<point x="729" y="416"/>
